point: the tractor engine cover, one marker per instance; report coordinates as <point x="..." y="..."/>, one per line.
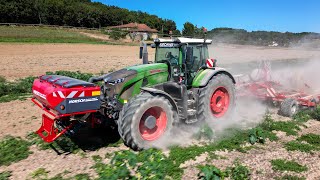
<point x="66" y="95"/>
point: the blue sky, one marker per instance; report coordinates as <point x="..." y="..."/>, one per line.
<point x="270" y="15"/>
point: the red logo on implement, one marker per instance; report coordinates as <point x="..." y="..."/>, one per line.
<point x="210" y="63"/>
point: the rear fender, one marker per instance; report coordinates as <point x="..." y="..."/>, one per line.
<point x="204" y="76"/>
<point x="161" y="93"/>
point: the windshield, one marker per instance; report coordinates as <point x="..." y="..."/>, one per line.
<point x="170" y="54"/>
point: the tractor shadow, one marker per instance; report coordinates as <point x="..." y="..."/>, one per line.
<point x="87" y="139"/>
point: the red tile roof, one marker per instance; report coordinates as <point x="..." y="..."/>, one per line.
<point x="135" y="27"/>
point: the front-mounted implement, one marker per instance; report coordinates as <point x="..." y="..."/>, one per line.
<point x="60" y="97"/>
<point x="181" y="85"/>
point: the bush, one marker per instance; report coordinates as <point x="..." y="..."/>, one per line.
<point x="209" y="172"/>
<point x="116" y="34"/>
<point x="13" y="150"/>
<point x="238" y="172"/>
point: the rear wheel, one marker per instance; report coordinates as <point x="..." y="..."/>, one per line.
<point x="145" y="120"/>
<point x="217" y="99"/>
<point x="289" y="107"/>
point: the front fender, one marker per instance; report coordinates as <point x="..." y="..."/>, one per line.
<point x="204" y="76"/>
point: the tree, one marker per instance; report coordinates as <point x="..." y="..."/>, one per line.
<point x="188" y="29"/>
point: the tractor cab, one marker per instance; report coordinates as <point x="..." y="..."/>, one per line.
<point x="185" y="56"/>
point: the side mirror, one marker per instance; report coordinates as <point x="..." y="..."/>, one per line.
<point x="189" y="54"/>
<point x="168" y="55"/>
<point x="140" y="52"/>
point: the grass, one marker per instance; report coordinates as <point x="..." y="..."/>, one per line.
<point x="289" y="127"/>
<point x="62" y="144"/>
<point x="40" y="173"/>
<point x="27" y="34"/>
<point x="12" y="97"/>
<point x="298" y="146"/>
<point x="13" y="150"/>
<point x="284" y="165"/>
<point x="43" y="35"/>
<point x="313" y="139"/>
<point x="305" y="143"/>
<point x="5" y="175"/>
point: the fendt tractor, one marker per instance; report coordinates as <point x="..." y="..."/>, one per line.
<point x="182" y="85"/>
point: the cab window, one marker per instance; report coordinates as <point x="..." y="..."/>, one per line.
<point x="170" y="54"/>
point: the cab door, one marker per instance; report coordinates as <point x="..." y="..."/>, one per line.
<point x="196" y="56"/>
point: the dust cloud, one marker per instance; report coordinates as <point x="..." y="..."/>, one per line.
<point x="295" y="68"/>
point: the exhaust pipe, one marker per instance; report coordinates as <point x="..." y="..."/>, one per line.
<point x="144" y="53"/>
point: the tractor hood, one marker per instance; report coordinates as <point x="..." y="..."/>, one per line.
<point x="127" y="82"/>
<point x="135" y="72"/>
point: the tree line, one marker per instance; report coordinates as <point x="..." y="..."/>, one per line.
<point x="260" y="38"/>
<point x="77" y="13"/>
<point x="84" y="13"/>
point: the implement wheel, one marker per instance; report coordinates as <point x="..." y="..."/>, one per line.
<point x="289" y="107"/>
<point x="217" y="99"/>
<point x="144" y="120"/>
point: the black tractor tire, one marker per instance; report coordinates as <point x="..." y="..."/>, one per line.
<point x="289" y="107"/>
<point x="137" y="110"/>
<point x="205" y="112"/>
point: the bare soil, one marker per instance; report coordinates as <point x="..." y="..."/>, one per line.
<point x="21" y="60"/>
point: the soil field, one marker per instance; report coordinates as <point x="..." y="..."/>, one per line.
<point x="21" y="60"/>
<point x="19" y="118"/>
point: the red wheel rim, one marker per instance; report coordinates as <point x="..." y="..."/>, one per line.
<point x="219" y="102"/>
<point x="160" y="124"/>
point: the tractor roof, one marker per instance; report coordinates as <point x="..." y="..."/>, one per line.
<point x="183" y="40"/>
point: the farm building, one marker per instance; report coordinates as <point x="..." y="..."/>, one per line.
<point x="137" y="31"/>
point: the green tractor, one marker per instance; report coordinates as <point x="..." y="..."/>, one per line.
<point x="182" y="85"/>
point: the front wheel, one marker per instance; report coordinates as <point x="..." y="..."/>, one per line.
<point x="217" y="100"/>
<point x="145" y="120"/>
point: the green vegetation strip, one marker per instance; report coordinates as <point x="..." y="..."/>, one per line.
<point x="290" y="177"/>
<point x="305" y="143"/>
<point x="284" y="165"/>
<point x="159" y="166"/>
<point x="13" y="150"/>
<point x="42" y="174"/>
<point x="43" y="35"/>
<point x="126" y="162"/>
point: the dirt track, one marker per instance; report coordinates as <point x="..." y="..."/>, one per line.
<point x="21" y="60"/>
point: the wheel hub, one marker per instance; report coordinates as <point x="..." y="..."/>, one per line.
<point x="150" y="122"/>
<point x="153" y="123"/>
<point x="219" y="102"/>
